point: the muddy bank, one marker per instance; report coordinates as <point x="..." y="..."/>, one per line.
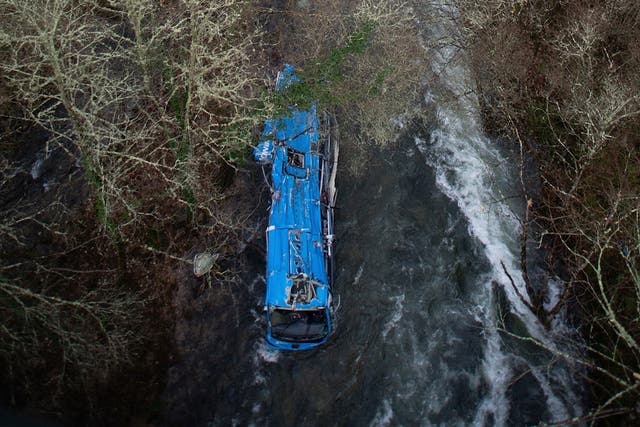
<point x="211" y="319"/>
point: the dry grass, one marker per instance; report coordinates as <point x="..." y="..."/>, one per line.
<point x="379" y="87"/>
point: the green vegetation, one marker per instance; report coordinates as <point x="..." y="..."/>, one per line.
<point x="159" y="103"/>
<point x="360" y="57"/>
<point x="150" y="108"/>
<point x="142" y="100"/>
<point x="317" y="83"/>
<point x="320" y="81"/>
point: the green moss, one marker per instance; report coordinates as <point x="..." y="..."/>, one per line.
<point x="180" y="144"/>
<point x="375" y="89"/>
<point x="317" y="84"/>
<point x="100" y="206"/>
<point x="178" y="99"/>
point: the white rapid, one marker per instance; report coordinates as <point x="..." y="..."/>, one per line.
<point x="481" y="179"/>
<point x="423" y="298"/>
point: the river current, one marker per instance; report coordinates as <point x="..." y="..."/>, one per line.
<point x="422" y="295"/>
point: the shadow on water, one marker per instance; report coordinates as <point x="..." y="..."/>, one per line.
<point x="9" y="418"/>
<point x="411" y="344"/>
<point x="407" y="347"/>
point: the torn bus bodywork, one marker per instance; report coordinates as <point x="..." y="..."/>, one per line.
<point x="303" y="153"/>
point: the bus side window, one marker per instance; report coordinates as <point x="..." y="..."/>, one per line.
<point x="295" y="158"/>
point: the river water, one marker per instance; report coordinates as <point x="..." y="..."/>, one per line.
<point x="422" y="295"/>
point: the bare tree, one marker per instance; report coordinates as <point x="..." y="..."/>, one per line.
<point x="153" y="104"/>
<point x="561" y="78"/>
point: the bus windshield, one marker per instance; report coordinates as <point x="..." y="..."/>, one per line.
<point x="298" y="325"/>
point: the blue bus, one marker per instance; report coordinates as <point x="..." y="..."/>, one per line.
<point x="302" y="150"/>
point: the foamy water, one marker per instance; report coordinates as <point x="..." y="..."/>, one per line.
<point x="473" y="173"/>
<point x="420" y="239"/>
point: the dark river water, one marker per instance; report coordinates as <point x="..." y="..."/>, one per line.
<point x="422" y="297"/>
<point x="415" y="340"/>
